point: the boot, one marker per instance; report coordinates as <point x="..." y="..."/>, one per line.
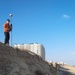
<point x="7" y="44"/>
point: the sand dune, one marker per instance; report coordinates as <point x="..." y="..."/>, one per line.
<point x="66" y="70"/>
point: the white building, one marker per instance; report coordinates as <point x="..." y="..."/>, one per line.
<point x="33" y="47"/>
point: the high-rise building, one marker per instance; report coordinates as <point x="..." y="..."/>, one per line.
<point x="33" y="47"/>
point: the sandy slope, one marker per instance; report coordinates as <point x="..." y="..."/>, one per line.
<point x="66" y="70"/>
<point x="70" y="68"/>
<point x="22" y="62"/>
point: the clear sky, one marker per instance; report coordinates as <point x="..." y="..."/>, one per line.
<point x="49" y="22"/>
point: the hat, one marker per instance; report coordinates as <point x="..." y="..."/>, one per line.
<point x="8" y="20"/>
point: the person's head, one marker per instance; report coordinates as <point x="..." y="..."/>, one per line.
<point x="8" y="20"/>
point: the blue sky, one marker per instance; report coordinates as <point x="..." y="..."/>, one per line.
<point x="49" y="22"/>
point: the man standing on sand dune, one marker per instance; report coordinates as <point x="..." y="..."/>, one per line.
<point x="7" y="29"/>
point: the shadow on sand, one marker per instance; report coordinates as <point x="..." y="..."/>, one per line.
<point x="64" y="71"/>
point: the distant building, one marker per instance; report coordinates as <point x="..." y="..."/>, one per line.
<point x="33" y="47"/>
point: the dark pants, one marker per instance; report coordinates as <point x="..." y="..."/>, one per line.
<point x="7" y="37"/>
